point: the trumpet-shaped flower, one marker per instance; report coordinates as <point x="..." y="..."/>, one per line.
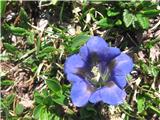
<point x="98" y="73"/>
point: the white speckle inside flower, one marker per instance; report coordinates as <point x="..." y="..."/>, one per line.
<point x="95" y="71"/>
<point x="105" y="75"/>
<point x="100" y="76"/>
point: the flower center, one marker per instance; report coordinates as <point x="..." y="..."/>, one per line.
<point x="96" y="74"/>
<point x="98" y="78"/>
<point x="105" y="75"/>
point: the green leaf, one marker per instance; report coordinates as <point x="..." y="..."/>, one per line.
<point x="3" y="4"/>
<point x="23" y="15"/>
<point x="59" y="99"/>
<point x="7" y="82"/>
<point x="4" y="108"/>
<point x="9" y="99"/>
<point x="30" y="38"/>
<point x="2" y="105"/>
<point x="38" y="98"/>
<point x="153" y="71"/>
<point x="140" y="104"/>
<point x="48" y="101"/>
<point x="36" y="111"/>
<point x="143" y="21"/>
<point x="78" y="41"/>
<point x="118" y="22"/>
<point x="128" y="18"/>
<point x="105" y="23"/>
<point x="19" y="109"/>
<point x="54" y="85"/>
<point x="10" y="48"/>
<point x="150" y="13"/>
<point x="47" y="50"/>
<point x="16" y="30"/>
<point x="23" y="18"/>
<point x="45" y="92"/>
<point x="44" y="114"/>
<point x="112" y="12"/>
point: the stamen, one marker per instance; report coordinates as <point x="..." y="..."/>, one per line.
<point x="100" y="77"/>
<point x="95" y="71"/>
<point x="105" y="76"/>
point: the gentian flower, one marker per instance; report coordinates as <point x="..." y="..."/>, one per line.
<point x="98" y="73"/>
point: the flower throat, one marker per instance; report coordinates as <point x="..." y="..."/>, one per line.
<point x="98" y="78"/>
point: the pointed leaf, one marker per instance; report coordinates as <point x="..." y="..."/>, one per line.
<point x="112" y="12"/>
<point x="54" y="85"/>
<point x="19" y="109"/>
<point x="128" y="18"/>
<point x="140" y="104"/>
<point x="143" y="21"/>
<point x="37" y="110"/>
<point x="10" y="48"/>
<point x="7" y="82"/>
<point x="3" y="4"/>
<point x="16" y="30"/>
<point x="105" y="23"/>
<point x="78" y="41"/>
<point x="150" y="13"/>
<point x="9" y="99"/>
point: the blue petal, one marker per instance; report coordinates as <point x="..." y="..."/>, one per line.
<point x="121" y="65"/>
<point x="80" y="93"/>
<point x="75" y="64"/>
<point x="111" y="53"/>
<point x="73" y="78"/>
<point x="96" y="46"/>
<point x="119" y="80"/>
<point x="95" y="97"/>
<point x="84" y="53"/>
<point x="112" y="94"/>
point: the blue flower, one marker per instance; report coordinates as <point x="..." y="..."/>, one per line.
<point x="98" y="73"/>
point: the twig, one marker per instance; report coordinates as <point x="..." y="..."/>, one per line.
<point x="132" y="40"/>
<point x="156" y="25"/>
